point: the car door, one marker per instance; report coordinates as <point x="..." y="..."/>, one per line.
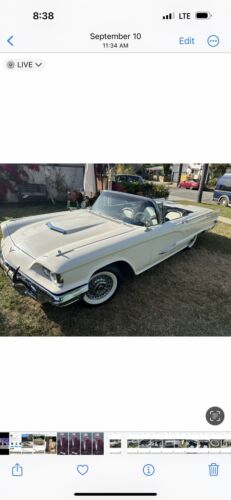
<point x="194" y="224"/>
<point x="157" y="242"/>
<point x="165" y="240"/>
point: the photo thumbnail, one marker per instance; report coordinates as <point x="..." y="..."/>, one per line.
<point x="62" y="443"/>
<point x="115" y="445"/>
<point x="86" y="443"/>
<point x="74" y="443"/>
<point x="27" y="443"/>
<point x="4" y="443"/>
<point x="39" y="443"/>
<point x="51" y="443"/>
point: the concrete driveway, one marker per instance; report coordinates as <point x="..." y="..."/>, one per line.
<point x="188" y="194"/>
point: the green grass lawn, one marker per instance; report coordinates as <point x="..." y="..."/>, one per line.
<point x="188" y="294"/>
<point x="223" y="211"/>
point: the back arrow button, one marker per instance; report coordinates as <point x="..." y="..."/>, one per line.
<point x="9" y="40"/>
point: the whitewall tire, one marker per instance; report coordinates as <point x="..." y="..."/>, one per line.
<point x="102" y="286"/>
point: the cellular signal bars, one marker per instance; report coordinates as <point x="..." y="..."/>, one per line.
<point x="169" y="16"/>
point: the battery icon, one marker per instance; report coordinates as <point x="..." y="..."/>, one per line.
<point x="203" y="15"/>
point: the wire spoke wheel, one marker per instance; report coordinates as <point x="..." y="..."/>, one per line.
<point x="102" y="287"/>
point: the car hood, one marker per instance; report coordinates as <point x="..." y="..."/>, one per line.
<point x="57" y="233"/>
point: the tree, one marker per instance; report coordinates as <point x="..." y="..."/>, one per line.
<point x="166" y="167"/>
<point x="218" y="169"/>
<point x="125" y="168"/>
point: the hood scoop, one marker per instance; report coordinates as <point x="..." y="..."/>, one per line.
<point x="56" y="228"/>
<point x="61" y="230"/>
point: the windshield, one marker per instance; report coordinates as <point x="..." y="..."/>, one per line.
<point x="127" y="209"/>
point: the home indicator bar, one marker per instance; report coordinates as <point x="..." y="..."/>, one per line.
<point x="115" y="494"/>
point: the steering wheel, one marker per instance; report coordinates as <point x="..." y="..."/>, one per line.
<point x="139" y="217"/>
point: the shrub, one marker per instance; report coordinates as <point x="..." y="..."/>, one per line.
<point x="211" y="184"/>
<point x="149" y="190"/>
<point x="156" y="190"/>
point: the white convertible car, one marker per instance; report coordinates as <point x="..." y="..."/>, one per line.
<point x="62" y="257"/>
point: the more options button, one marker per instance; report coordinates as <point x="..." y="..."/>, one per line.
<point x="213" y="40"/>
<point x="186" y="40"/>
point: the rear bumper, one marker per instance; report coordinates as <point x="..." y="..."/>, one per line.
<point x="26" y="286"/>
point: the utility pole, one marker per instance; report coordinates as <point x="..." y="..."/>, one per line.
<point x="202" y="182"/>
<point x="179" y="174"/>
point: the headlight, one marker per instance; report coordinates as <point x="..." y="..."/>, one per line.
<point x="56" y="278"/>
<point x="46" y="272"/>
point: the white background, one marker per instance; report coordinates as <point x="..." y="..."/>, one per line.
<point x="113" y="383"/>
<point x="112" y="107"/>
<point x="115" y="108"/>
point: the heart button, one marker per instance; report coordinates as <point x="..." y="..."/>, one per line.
<point x="82" y="469"/>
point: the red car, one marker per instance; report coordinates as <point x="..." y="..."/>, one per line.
<point x="190" y="184"/>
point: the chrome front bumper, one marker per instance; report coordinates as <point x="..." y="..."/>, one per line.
<point x="26" y="286"/>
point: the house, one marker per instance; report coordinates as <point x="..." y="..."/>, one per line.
<point x="155" y="172"/>
<point x="20" y="182"/>
<point x="188" y="170"/>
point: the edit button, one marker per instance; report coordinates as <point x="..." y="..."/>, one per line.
<point x="189" y="40"/>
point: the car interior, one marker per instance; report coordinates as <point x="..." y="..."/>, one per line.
<point x="143" y="212"/>
<point x="172" y="213"/>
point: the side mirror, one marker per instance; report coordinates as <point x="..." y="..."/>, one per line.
<point x="148" y="224"/>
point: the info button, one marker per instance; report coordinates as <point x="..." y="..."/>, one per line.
<point x="186" y="40"/>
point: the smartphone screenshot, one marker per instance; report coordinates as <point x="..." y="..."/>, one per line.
<point x="115" y="246"/>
